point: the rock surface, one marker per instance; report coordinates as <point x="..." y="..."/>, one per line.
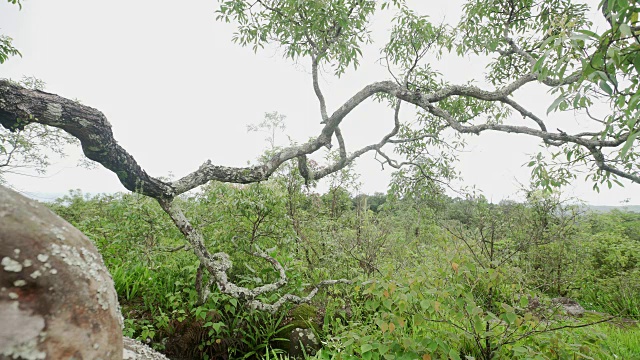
<point x="135" y="350"/>
<point x="57" y="299"/>
<point x="303" y="343"/>
<point x="569" y="305"/>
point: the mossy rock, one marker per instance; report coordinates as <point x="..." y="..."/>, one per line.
<point x="303" y="316"/>
<point x="304" y="312"/>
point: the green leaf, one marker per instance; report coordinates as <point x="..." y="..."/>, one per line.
<point x="597" y="60"/>
<point x="625" y="30"/>
<point x="605" y="87"/>
<point x="520" y="350"/>
<point x="234" y="301"/>
<point x="365" y="348"/>
<point x="634" y="100"/>
<point x="627" y="145"/>
<point x="620" y="101"/>
<point x="578" y="36"/>
<point x="555" y="104"/>
<point x="576" y="101"/>
<point x="478" y="324"/>
<point x="453" y="354"/>
<point x="425" y="304"/>
<point x="589" y="33"/>
<point x="538" y="65"/>
<point x="217" y="326"/>
<point x="636" y="62"/>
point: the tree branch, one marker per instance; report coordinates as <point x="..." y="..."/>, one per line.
<point x="20" y="106"/>
<point x="316" y="89"/>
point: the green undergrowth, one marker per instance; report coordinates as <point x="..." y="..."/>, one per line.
<point x="413" y="318"/>
<point x="454" y="280"/>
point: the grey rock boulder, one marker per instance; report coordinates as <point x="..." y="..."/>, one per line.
<point x="57" y="299"/>
<point x="570" y="306"/>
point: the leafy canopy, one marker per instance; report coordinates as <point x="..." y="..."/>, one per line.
<point x="547" y="42"/>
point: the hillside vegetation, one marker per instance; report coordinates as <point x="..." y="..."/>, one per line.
<point x="433" y="277"/>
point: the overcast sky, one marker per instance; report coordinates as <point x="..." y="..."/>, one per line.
<point x="177" y="92"/>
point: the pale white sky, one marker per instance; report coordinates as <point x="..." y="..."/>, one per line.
<point x="177" y="92"/>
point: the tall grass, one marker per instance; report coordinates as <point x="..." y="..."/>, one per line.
<point x="619" y="296"/>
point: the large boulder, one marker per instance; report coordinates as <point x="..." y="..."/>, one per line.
<point x="57" y="299"/>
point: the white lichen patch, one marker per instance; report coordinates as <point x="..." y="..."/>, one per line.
<point x="135" y="350"/>
<point x="36" y="274"/>
<point x="11" y="265"/>
<point x="128" y="355"/>
<point x="88" y="265"/>
<point x="93" y="148"/>
<point x="27" y="350"/>
<point x="103" y="297"/>
<point x="16" y="251"/>
<point x="53" y="271"/>
<point x="13" y="296"/>
<point x="53" y="112"/>
<point x="43" y="257"/>
<point x="82" y="121"/>
<point x="19" y="283"/>
<point x="58" y="233"/>
<point x="27" y="263"/>
<point x="93" y="262"/>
